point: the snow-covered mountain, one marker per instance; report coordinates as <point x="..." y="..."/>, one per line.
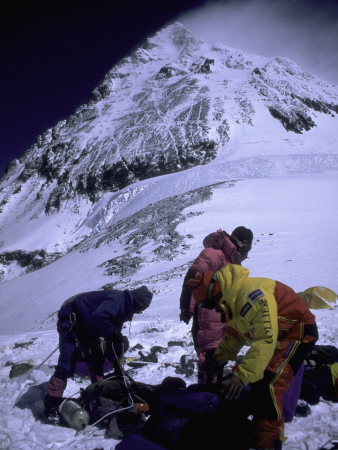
<point x="181" y="138"/>
<point x="175" y="104"/>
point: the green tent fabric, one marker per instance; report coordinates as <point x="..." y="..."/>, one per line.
<point x="318" y="297"/>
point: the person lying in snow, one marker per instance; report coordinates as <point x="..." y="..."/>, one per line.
<point x="280" y="330"/>
<point x="208" y="329"/>
<point x="89" y="326"/>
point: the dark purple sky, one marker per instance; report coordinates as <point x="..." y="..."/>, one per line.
<point x="54" y="53"/>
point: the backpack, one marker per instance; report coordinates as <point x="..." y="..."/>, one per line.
<point x="317" y="383"/>
<point x="115" y="404"/>
<point x="317" y="379"/>
<point x="322" y="354"/>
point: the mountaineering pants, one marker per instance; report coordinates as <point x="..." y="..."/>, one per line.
<point x="71" y="345"/>
<point x="267" y="393"/>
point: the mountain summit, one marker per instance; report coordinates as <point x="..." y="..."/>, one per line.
<point x="175" y="104"/>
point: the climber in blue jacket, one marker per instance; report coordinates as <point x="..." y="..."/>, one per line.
<point x="89" y="326"/>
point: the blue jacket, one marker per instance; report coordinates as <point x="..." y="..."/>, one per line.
<point x="101" y="313"/>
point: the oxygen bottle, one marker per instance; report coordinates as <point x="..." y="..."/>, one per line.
<point x="75" y="416"/>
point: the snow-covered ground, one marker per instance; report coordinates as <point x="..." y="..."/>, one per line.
<point x="294" y="220"/>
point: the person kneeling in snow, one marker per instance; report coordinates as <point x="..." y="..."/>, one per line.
<point x="280" y="330"/>
<point x="89" y="327"/>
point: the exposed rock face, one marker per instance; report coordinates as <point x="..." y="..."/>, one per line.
<point x="173" y="104"/>
<point x="289" y="99"/>
<point x="296" y="121"/>
<point x="27" y="261"/>
<point x="157" y="112"/>
<point x="144" y="120"/>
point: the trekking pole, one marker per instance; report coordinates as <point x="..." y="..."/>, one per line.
<point x="28" y="373"/>
<point x="36" y="368"/>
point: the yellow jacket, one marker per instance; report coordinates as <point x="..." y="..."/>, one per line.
<point x="261" y="313"/>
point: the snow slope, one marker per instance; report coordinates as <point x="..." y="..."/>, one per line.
<point x="294" y="223"/>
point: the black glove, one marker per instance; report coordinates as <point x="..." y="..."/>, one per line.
<point x="185" y="317"/>
<point x="120" y="345"/>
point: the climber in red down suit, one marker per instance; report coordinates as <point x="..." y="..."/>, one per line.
<point x="220" y="249"/>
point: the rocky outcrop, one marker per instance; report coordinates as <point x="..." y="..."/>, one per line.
<point x="295" y="121"/>
<point x="287" y="91"/>
<point x="28" y="261"/>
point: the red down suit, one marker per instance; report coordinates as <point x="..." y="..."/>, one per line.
<point x="208" y="329"/>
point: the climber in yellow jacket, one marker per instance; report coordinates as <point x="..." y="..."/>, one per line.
<point x="279" y="329"/>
